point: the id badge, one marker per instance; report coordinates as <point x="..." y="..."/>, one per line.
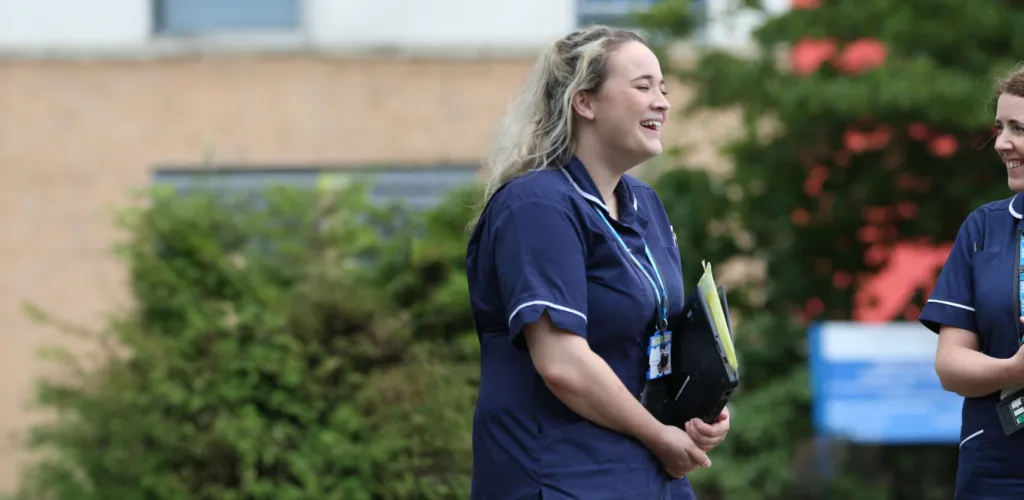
<point x="659" y="355"/>
<point x="1011" y="410"/>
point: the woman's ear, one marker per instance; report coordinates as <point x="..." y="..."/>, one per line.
<point x="583" y="104"/>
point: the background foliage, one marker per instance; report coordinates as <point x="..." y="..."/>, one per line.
<point x="295" y="345"/>
<point x="865" y="130"/>
<point x="279" y="349"/>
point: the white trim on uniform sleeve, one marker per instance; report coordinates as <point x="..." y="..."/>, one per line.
<point x="951" y="304"/>
<point x="544" y="303"/>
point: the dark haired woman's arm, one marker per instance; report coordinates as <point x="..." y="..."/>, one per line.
<point x="963" y="369"/>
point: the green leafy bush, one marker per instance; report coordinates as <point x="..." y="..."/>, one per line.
<point x="278" y="348"/>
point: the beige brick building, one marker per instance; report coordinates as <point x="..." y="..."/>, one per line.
<point x="91" y="112"/>
<point x="77" y="137"/>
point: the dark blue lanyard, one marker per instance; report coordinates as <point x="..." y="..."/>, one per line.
<point x="661" y="294"/>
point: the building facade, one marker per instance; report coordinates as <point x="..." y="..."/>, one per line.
<point x="103" y="97"/>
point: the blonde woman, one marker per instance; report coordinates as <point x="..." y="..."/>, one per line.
<point x="573" y="274"/>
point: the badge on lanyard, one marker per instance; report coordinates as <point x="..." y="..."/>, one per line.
<point x="1011" y="411"/>
<point x="1011" y="401"/>
<point x="1020" y="282"/>
<point x="659" y="355"/>
<point x="659" y="346"/>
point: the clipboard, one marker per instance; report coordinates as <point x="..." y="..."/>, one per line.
<point x="704" y="375"/>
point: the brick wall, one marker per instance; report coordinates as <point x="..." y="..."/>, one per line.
<point x="77" y="136"/>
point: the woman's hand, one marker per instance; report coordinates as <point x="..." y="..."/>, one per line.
<point x="708" y="436"/>
<point x="676" y="451"/>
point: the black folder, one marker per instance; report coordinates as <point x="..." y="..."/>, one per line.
<point x="702" y="380"/>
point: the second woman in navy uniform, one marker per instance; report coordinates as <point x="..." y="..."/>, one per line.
<point x="976" y="308"/>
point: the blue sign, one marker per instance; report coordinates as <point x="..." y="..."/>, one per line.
<point x="876" y="383"/>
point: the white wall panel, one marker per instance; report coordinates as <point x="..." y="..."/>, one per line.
<point x="352" y="26"/>
<point x="428" y="24"/>
<point x="74" y="24"/>
<point x="729" y="27"/>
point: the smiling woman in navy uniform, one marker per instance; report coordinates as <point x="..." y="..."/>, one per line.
<point x="976" y="308"/>
<point x="572" y="269"/>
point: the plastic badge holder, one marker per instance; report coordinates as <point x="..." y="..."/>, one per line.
<point x="704" y="369"/>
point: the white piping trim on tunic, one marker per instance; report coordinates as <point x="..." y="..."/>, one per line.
<point x="592" y="197"/>
<point x="545" y="303"/>
<point x="951" y="304"/>
<point x="972" y="436"/>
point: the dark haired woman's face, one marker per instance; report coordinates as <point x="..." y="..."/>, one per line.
<point x="1009" y="143"/>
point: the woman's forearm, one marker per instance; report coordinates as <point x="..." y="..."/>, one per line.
<point x="970" y="373"/>
<point x="589" y="387"/>
<point x="585" y="383"/>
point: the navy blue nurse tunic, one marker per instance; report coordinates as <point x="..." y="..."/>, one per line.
<point x="977" y="291"/>
<point x="541" y="246"/>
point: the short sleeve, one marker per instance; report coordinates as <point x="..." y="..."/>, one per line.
<point x="952" y="300"/>
<point x="540" y="258"/>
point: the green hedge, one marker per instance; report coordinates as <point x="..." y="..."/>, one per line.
<point x="280" y="347"/>
<point x="294" y="344"/>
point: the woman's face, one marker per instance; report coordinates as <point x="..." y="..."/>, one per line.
<point x="1009" y="124"/>
<point x="630" y="108"/>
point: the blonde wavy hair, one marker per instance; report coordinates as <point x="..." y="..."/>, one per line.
<point x="537" y="130"/>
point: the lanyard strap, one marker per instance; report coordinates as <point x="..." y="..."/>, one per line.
<point x="661" y="294"/>
<point x="1020" y="283"/>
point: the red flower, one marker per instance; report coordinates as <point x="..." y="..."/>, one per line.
<point x="875" y="255"/>
<point x="815" y="181"/>
<point x="800" y="217"/>
<point x="906" y="209"/>
<point x="842" y="280"/>
<point x="862" y="55"/>
<point x="809" y="54"/>
<point x="918" y="131"/>
<point x="814" y="307"/>
<point x="943" y="146"/>
<point x="855" y="141"/>
<point x="804" y="4"/>
<point x="869" y="234"/>
<point x="881" y="137"/>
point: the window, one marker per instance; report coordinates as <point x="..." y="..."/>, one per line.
<point x="619" y="12"/>
<point x="416" y="188"/>
<point x="203" y="17"/>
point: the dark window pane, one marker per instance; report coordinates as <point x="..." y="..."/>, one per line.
<point x="619" y="12"/>
<point x="189" y="17"/>
<point x="419" y="188"/>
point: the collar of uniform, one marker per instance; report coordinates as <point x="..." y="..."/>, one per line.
<point x="629" y="213"/>
<point x="1017" y="206"/>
